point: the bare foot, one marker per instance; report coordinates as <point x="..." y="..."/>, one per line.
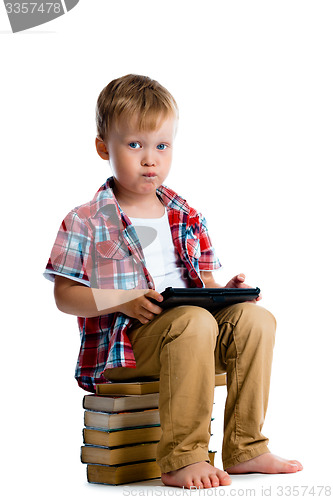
<point x="266" y="464"/>
<point x="197" y="475"/>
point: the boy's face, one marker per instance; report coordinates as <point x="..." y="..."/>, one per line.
<point x="141" y="160"/>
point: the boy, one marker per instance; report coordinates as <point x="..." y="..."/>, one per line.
<point x="114" y="254"/>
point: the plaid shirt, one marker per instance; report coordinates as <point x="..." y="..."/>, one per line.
<point x="97" y="245"/>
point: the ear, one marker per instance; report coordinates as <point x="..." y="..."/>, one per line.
<point x="101" y="148"/>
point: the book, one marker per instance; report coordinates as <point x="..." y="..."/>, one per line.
<point x="126" y="388"/>
<point x="120" y="403"/>
<point x="127" y="473"/>
<point x="121" y="437"/>
<point x="118" y="455"/>
<point x="104" y="420"/>
<point x="123" y="474"/>
<point x="137" y="388"/>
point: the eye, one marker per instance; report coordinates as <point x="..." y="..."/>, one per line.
<point x="161" y="147"/>
<point x="134" y="145"/>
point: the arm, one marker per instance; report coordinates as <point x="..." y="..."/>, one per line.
<point x="75" y="298"/>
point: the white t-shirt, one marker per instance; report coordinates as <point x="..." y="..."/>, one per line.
<point x="162" y="259"/>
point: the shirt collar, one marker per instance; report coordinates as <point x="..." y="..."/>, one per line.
<point x="105" y="197"/>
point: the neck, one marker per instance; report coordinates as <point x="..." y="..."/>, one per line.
<point x="138" y="205"/>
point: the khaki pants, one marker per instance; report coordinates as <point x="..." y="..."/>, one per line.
<point x="184" y="347"/>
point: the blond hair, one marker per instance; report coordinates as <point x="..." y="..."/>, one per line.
<point x="133" y="96"/>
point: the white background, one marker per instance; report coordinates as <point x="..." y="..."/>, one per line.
<point x="253" y="81"/>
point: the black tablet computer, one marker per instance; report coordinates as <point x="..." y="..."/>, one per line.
<point x="206" y="297"/>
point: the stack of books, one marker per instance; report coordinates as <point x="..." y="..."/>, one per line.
<point x="121" y="432"/>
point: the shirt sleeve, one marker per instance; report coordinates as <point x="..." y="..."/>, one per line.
<point x="70" y="254"/>
<point x="208" y="260"/>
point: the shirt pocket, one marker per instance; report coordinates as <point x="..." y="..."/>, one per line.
<point x="115" y="266"/>
<point x="112" y="250"/>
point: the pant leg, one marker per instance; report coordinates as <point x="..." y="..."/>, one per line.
<point x="244" y="349"/>
<point x="178" y="346"/>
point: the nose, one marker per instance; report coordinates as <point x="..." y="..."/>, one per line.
<point x="148" y="163"/>
<point x="148" y="160"/>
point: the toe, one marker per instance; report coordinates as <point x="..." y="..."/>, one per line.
<point x="188" y="484"/>
<point x="290" y="467"/>
<point x="198" y="484"/>
<point x="214" y="480"/>
<point x="299" y="465"/>
<point x="224" y="478"/>
<point x="206" y="481"/>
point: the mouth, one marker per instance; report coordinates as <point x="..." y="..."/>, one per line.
<point x="150" y="175"/>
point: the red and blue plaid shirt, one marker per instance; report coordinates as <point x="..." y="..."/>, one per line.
<point x="97" y="245"/>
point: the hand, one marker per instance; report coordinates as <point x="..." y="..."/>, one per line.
<point x="142" y="308"/>
<point x="239" y="282"/>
